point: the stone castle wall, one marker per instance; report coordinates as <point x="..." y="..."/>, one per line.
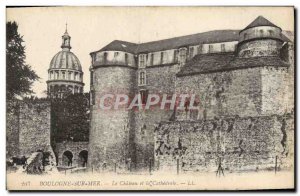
<point x="245" y="92"/>
<point x="240" y="144"/>
<point x="34" y="123"/>
<point x="159" y="80"/>
<point x="257" y="48"/>
<point x="277" y="90"/>
<point x="28" y="127"/>
<point x="230" y="93"/>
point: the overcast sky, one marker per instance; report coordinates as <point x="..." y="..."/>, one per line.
<point x="91" y="28"/>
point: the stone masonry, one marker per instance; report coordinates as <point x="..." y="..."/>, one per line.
<point x="239" y="143"/>
<point x="28" y="125"/>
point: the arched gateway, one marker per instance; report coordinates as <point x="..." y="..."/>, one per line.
<point x="73" y="154"/>
<point x="67" y="158"/>
<point x="82" y="158"/>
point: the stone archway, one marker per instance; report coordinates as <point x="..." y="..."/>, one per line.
<point x="67" y="158"/>
<point x="82" y="158"/>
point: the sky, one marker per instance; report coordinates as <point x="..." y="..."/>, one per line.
<point x="91" y="28"/>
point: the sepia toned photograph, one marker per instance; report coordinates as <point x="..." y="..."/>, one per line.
<point x="150" y="98"/>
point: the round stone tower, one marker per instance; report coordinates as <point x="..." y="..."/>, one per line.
<point x="113" y="73"/>
<point x="260" y="38"/>
<point x="65" y="73"/>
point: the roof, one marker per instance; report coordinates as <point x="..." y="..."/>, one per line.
<point x="207" y="62"/>
<point x="194" y="39"/>
<point x="216" y="36"/>
<point x="288" y="35"/>
<point x="176" y="42"/>
<point x="260" y="21"/>
<point x="65" y="60"/>
<point x="118" y="45"/>
<point x="217" y="62"/>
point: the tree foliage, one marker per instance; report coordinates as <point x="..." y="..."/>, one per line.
<point x="70" y="118"/>
<point x="19" y="75"/>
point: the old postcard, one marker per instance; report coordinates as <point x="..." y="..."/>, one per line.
<point x="150" y="98"/>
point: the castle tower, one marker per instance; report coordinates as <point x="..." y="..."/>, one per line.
<point x="65" y="73"/>
<point x="260" y="38"/>
<point x="111" y="140"/>
<point x="262" y="44"/>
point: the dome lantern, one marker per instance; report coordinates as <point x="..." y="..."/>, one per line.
<point x="66" y="40"/>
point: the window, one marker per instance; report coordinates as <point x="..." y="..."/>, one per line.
<point x="210" y="48"/>
<point x="99" y="56"/>
<point x="152" y="59"/>
<point x="64" y="75"/>
<point x="162" y="57"/>
<point x="116" y="54"/>
<point x="222" y="47"/>
<point x="57" y="75"/>
<point x="144" y="96"/>
<point x="271" y="33"/>
<point x="191" y="52"/>
<point x="55" y="89"/>
<point x="51" y="89"/>
<point x="70" y="76"/>
<point x="105" y="57"/>
<point x="182" y="54"/>
<point x="142" y="60"/>
<point x="126" y="58"/>
<point x="175" y="56"/>
<point x="199" y="49"/>
<point x="142" y="78"/>
<point x="245" y="35"/>
<point x="75" y="76"/>
<point x="261" y="32"/>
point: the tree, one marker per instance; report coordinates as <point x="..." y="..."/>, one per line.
<point x="70" y="118"/>
<point x="19" y="75"/>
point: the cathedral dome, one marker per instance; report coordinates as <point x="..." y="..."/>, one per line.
<point x="65" y="60"/>
<point x="65" y="73"/>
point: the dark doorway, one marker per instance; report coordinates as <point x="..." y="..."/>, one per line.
<point x="67" y="158"/>
<point x="82" y="158"/>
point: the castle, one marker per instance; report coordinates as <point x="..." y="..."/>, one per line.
<point x="244" y="120"/>
<point x="246" y="73"/>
